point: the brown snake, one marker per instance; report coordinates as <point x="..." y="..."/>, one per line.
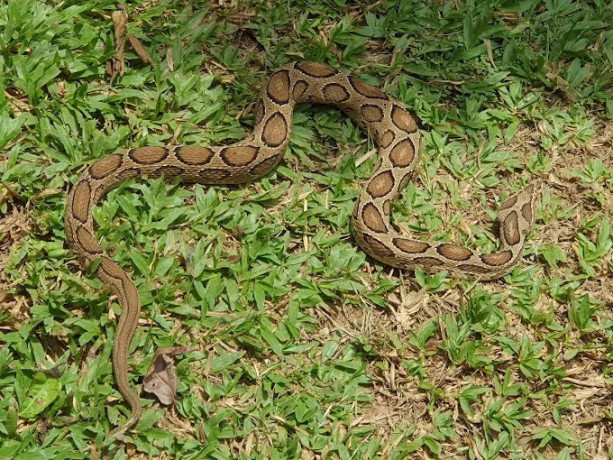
<point x="396" y="134"/>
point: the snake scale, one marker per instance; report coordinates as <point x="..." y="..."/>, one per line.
<point x="397" y="137"/>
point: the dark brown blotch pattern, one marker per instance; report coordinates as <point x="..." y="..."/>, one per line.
<point x="372" y="218"/>
<point x="300" y="88"/>
<point x="405" y="181"/>
<point x="508" y="203"/>
<point x="510" y="229"/>
<point x="275" y="130"/>
<point x="387" y="207"/>
<point x="194" y="156"/>
<point x="497" y="259"/>
<point x="387" y="138"/>
<point x="371" y="113"/>
<point x="148" y="155"/>
<point x="335" y="93"/>
<point x="264" y="166"/>
<point x="403" y="120"/>
<point x="87" y="241"/>
<point x="410" y="246"/>
<point x="379" y="248"/>
<point x="402" y="153"/>
<point x="381" y="184"/>
<point x="259" y="111"/>
<point x="278" y="87"/>
<point x="363" y="88"/>
<point x="128" y="173"/>
<point x="239" y="155"/>
<point x="526" y="212"/>
<point x="106" y="166"/>
<point x="169" y="171"/>
<point x="111" y="269"/>
<point x="454" y="252"/>
<point x="81" y="200"/>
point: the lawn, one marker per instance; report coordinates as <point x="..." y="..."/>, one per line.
<point x="304" y="347"/>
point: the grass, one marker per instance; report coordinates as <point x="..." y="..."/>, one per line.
<point x="305" y="348"/>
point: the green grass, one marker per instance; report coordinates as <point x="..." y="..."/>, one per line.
<point x="306" y="348"/>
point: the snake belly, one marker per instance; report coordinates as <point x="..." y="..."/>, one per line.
<point x="396" y="134"/>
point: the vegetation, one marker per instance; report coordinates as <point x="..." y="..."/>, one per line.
<point x="306" y="348"/>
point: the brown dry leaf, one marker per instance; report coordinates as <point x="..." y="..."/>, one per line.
<point x="161" y="379"/>
<point x="117" y="64"/>
<point x="140" y="49"/>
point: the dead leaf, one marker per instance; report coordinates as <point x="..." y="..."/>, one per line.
<point x="140" y="49"/>
<point x="117" y="64"/>
<point x="161" y="379"/>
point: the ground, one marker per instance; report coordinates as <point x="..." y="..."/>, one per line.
<point x="304" y="347"/>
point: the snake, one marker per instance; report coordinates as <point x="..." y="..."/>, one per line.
<point x="396" y="134"/>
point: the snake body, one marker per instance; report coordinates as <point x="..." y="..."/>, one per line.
<point x="396" y="134"/>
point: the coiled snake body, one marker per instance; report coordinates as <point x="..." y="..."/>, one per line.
<point x="396" y="134"/>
